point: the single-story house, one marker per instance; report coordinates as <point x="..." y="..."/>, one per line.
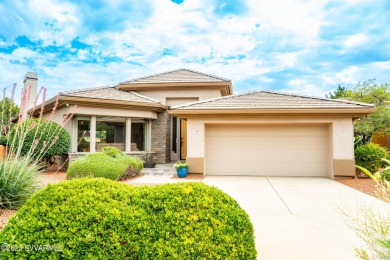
<point x="194" y="116"/>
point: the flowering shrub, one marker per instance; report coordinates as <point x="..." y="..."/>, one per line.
<point x="28" y="143"/>
<point x="179" y="164"/>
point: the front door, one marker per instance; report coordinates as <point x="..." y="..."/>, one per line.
<point x="175" y="138"/>
<point x="183" y="138"/>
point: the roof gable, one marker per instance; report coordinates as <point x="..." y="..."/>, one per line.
<point x="109" y="93"/>
<point x="270" y="100"/>
<point x="177" y="76"/>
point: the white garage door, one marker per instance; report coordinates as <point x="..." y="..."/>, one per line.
<point x="267" y="150"/>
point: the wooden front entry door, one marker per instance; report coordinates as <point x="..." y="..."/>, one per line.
<point x="183" y="135"/>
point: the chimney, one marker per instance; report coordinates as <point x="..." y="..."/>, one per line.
<point x="30" y="88"/>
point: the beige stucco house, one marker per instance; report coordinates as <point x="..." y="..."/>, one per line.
<point x="193" y="116"/>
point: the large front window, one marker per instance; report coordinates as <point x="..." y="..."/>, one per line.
<point x="93" y="133"/>
<point x="138" y="135"/>
<point x="110" y="131"/>
<point x="83" y="134"/>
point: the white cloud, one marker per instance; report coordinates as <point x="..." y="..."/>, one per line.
<point x="355" y="40"/>
<point x="272" y="37"/>
<point x="22" y="53"/>
<point x="306" y="89"/>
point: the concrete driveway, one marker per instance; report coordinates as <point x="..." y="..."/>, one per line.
<point x="295" y="218"/>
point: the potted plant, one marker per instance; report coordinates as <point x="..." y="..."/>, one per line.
<point x="181" y="169"/>
<point x="149" y="160"/>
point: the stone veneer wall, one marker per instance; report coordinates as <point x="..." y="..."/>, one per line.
<point x="161" y="137"/>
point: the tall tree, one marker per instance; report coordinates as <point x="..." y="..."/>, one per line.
<point x="338" y="93"/>
<point x="379" y="95"/>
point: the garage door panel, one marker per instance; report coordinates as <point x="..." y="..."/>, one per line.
<point x="266" y="142"/>
<point x="268" y="169"/>
<point x="269" y="156"/>
<point x="267" y="150"/>
<point x="272" y="131"/>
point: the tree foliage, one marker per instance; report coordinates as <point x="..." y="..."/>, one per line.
<point x="338" y="93"/>
<point x="379" y="95"/>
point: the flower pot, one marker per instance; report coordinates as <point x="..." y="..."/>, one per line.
<point x="149" y="165"/>
<point x="182" y="172"/>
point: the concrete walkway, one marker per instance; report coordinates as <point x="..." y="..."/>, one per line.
<point x="293" y="218"/>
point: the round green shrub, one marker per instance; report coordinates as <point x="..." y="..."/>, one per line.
<point x="370" y="156"/>
<point x="111" y="151"/>
<point x="135" y="165"/>
<point x="119" y="167"/>
<point x="55" y="137"/>
<point x="96" y="165"/>
<point x="102" y="219"/>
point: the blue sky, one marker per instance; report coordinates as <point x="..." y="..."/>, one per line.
<point x="299" y="46"/>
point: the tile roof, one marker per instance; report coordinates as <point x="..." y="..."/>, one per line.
<point x="109" y="93"/>
<point x="177" y="76"/>
<point x="269" y="100"/>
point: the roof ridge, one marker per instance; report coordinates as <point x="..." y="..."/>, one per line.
<point x="83" y="90"/>
<point x="206" y="74"/>
<point x="319" y="98"/>
<point x="170" y="71"/>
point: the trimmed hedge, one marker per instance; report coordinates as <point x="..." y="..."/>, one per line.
<point x="102" y="219"/>
<point x="370" y="156"/>
<point x="111" y="164"/>
<point x="55" y="137"/>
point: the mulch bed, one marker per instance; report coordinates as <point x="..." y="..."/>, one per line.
<point x="365" y="185"/>
<point x="51" y="177"/>
<point x="5" y="214"/>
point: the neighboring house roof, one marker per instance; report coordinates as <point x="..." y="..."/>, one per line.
<point x="178" y="79"/>
<point x="109" y="93"/>
<point x="267" y="101"/>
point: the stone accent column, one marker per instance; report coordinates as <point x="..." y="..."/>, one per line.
<point x="161" y="137"/>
